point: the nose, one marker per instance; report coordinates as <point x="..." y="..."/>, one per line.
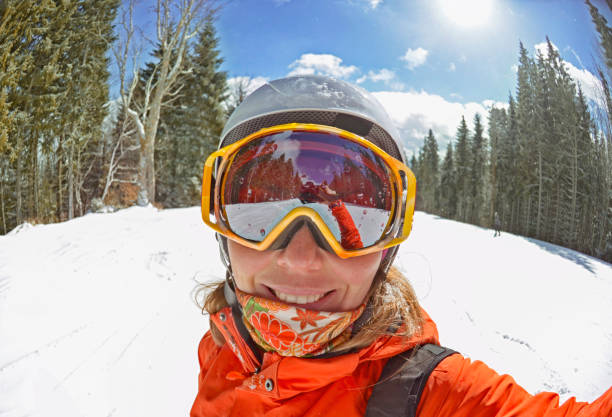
<point x="302" y="252"/>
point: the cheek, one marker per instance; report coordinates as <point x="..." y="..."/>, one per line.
<point x="359" y="272"/>
<point x="246" y="263"/>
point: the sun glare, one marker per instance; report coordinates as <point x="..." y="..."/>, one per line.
<point x="467" y="13"/>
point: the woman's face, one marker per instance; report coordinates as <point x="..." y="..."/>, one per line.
<point x="304" y="274"/>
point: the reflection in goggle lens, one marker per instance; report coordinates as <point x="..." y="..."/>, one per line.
<point x="346" y="183"/>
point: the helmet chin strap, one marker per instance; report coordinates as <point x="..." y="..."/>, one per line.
<point x="224" y="253"/>
<point x="387" y="258"/>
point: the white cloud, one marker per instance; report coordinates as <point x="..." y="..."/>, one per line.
<point x="323" y="64"/>
<point x="382" y="75"/>
<point x="514" y="68"/>
<point x="415" y="57"/>
<point x="452" y="67"/>
<point x="386" y="76"/>
<point x="374" y="3"/>
<point x="249" y="85"/>
<point x="414" y="113"/>
<point x="590" y="84"/>
<point x="492" y="103"/>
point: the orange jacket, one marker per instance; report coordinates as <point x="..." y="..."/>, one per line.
<point x="341" y="386"/>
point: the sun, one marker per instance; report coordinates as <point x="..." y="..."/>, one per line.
<point x="467" y="13"/>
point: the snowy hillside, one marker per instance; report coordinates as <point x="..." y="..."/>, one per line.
<point x="97" y="319"/>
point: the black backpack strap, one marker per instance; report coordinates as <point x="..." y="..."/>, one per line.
<point x="402" y="381"/>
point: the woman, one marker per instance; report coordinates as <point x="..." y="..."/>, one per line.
<point x="310" y="198"/>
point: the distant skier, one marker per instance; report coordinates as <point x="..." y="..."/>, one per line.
<point x="497" y="225"/>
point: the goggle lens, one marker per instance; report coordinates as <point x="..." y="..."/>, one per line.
<point x="270" y="176"/>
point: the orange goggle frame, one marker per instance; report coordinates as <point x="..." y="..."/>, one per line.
<point x="402" y="180"/>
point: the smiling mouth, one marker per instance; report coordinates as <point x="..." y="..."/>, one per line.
<point x="298" y="299"/>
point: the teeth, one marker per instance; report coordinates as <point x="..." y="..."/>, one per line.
<point x="298" y="299"/>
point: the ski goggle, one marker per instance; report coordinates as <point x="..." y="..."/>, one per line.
<point x="354" y="197"/>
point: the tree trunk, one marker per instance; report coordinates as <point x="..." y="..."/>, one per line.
<point x="146" y="172"/>
<point x="79" y="182"/>
<point x="2" y="202"/>
<point x="146" y="166"/>
<point x="70" y="185"/>
<point x="539" y="218"/>
<point x="492" y="206"/>
<point x="528" y="216"/>
<point x="35" y="191"/>
<point x="60" y="201"/>
<point x="555" y="235"/>
<point x="573" y="213"/>
<point x="19" y="202"/>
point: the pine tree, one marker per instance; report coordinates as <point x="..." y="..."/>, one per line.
<point x="211" y="85"/>
<point x="428" y="171"/>
<point x="463" y="169"/>
<point x="536" y="158"/>
<point x="87" y="92"/>
<point x="562" y="150"/>
<point x="448" y="189"/>
<point x="588" y="194"/>
<point x="478" y="173"/>
<point x="530" y="146"/>
<point x="55" y="82"/>
<point x="39" y="97"/>
<point x="415" y="167"/>
<point x="508" y="171"/>
<point x="602" y="245"/>
<point x="498" y="121"/>
<point x="413" y="164"/>
<point x="20" y="22"/>
<point x="605" y="32"/>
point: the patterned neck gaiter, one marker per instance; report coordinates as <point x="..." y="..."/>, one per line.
<point x="292" y="331"/>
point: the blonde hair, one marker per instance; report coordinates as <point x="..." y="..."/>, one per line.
<point x="395" y="309"/>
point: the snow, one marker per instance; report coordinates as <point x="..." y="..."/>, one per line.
<point x="97" y="315"/>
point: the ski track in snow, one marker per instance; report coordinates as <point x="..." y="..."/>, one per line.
<point x="5" y="284"/>
<point x="53" y="343"/>
<point x="127" y="346"/>
<point x="87" y="358"/>
<point x="101" y="322"/>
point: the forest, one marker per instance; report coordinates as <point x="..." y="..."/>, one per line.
<point x="66" y="148"/>
<point x="543" y="168"/>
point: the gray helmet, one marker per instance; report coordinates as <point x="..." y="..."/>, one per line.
<point x="314" y="99"/>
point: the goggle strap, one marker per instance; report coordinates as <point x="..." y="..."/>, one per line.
<point x="222" y="240"/>
<point x="353" y="124"/>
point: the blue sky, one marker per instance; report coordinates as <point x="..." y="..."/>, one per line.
<point x="427" y="61"/>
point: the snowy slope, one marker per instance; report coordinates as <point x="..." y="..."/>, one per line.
<point x="97" y="318"/>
